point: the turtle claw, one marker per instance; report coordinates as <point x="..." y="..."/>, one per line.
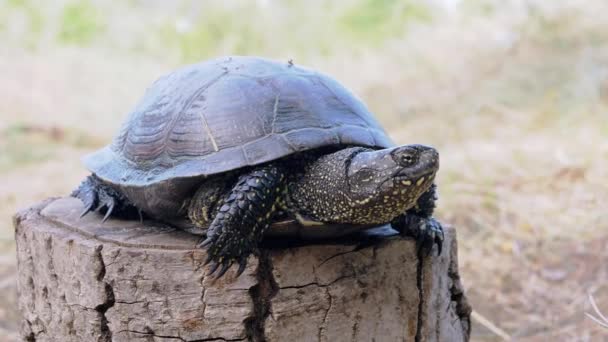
<point x="213" y="268"/>
<point x="225" y="266"/>
<point x="206" y="244"/>
<point x="430" y="232"/>
<point x="209" y="259"/>
<point x="426" y="231"/>
<point x="242" y="266"/>
<point x="224" y="257"/>
<point x="87" y="195"/>
<point x="222" y="270"/>
<point x="208" y="241"/>
<point x="86" y="210"/>
<point x="110" y="205"/>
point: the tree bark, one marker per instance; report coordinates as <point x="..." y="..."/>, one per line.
<point x="83" y="280"/>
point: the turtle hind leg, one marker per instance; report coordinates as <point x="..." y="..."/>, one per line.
<point x="245" y="213"/>
<point x="207" y="200"/>
<point x="98" y="196"/>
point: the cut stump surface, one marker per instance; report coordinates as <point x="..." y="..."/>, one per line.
<point x="83" y="280"/>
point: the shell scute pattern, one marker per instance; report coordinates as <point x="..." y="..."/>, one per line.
<point x="229" y="113"/>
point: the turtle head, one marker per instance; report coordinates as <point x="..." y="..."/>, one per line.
<point x="393" y="177"/>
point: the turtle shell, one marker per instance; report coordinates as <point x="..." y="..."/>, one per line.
<point x="229" y="113"/>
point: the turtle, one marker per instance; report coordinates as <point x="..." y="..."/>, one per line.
<point x="234" y="143"/>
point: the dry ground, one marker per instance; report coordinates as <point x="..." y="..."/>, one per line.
<point x="514" y="94"/>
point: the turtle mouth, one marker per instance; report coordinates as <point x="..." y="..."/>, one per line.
<point x="403" y="178"/>
<point x="405" y="175"/>
<point x="418" y="181"/>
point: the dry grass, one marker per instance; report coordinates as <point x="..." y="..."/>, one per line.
<point x="514" y="94"/>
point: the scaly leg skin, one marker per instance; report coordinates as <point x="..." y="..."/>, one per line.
<point x="205" y="203"/>
<point x="245" y="213"/>
<point x="418" y="222"/>
<point x="98" y="196"/>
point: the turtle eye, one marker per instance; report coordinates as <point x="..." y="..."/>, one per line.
<point x="407" y="159"/>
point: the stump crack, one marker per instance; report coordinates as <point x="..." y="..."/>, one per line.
<point x="109" y="301"/>
<point x="421" y="301"/>
<point x="33" y="336"/>
<point x="457" y="295"/>
<point x="151" y="333"/>
<point x="261" y="296"/>
<point x="317" y="284"/>
<point x="323" y="325"/>
<point x="354" y="250"/>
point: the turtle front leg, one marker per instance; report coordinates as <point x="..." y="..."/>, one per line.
<point x="242" y="218"/>
<point x="418" y="222"/>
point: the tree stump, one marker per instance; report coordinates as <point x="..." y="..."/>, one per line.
<point x="83" y="280"/>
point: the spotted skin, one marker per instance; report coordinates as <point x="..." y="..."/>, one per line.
<point x="362" y="186"/>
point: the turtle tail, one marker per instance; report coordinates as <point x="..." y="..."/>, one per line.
<point x="99" y="196"/>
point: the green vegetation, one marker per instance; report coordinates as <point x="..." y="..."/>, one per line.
<point x="378" y="20"/>
<point x="80" y="23"/>
<point x="245" y="28"/>
<point x="212" y="31"/>
<point x="33" y="18"/>
<point x="20" y="146"/>
<point x="194" y="31"/>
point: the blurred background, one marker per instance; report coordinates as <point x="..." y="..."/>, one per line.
<point x="514" y="94"/>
